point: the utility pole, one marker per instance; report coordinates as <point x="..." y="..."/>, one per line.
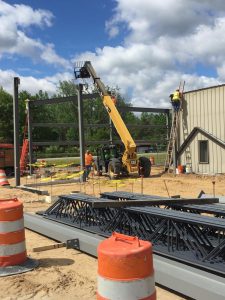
<point x="16" y="131"/>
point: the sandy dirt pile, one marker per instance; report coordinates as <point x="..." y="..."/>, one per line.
<point x="70" y="274"/>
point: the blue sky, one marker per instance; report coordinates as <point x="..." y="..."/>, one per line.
<point x="77" y="26"/>
<point x="145" y="48"/>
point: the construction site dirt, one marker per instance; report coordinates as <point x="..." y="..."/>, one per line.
<point x="70" y="274"/>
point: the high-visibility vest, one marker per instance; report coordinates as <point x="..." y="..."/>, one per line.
<point x="176" y="96"/>
<point x="88" y="159"/>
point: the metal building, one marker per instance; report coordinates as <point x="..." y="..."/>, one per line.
<point x="201" y="138"/>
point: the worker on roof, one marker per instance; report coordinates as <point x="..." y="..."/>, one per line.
<point x="176" y="100"/>
<point x="88" y="163"/>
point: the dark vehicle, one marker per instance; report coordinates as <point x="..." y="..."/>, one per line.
<point x="109" y="161"/>
<point x="7" y="158"/>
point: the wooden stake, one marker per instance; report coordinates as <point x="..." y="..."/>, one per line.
<point x="49" y="247"/>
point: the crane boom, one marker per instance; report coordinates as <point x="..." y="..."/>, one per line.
<point x="130" y="162"/>
<point x="118" y="122"/>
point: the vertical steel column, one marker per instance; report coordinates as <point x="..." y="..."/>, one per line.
<point x="29" y="128"/>
<point x="81" y="130"/>
<point x="16" y="131"/>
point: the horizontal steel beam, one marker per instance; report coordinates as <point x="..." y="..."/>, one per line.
<point x="144" y="202"/>
<point x="32" y="189"/>
<point x="157" y="200"/>
<point x="182" y="278"/>
<point x="214" y="209"/>
<point x="95" y="125"/>
<point x="53" y="182"/>
<point x="71" y="143"/>
<point x="144" y="109"/>
<point x="62" y="99"/>
<point x="60" y="232"/>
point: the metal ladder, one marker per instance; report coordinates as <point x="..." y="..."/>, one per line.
<point x="172" y="140"/>
<point x="25" y="149"/>
<point x="173" y="133"/>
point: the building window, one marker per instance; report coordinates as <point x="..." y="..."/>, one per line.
<point x="203" y="147"/>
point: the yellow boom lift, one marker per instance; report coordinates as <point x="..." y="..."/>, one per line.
<point x="109" y="159"/>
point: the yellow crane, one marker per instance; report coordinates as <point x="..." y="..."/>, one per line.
<point x="108" y="159"/>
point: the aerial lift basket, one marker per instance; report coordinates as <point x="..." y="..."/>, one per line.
<point x="80" y="71"/>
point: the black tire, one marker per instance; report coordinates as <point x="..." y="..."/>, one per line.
<point x="114" y="169"/>
<point x="144" y="167"/>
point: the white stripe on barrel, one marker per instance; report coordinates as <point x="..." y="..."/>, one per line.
<point x="125" y="269"/>
<point x="11" y="226"/>
<point x="7" y="250"/>
<point x="132" y="290"/>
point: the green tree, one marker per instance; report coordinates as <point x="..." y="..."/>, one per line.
<point x="6" y="116"/>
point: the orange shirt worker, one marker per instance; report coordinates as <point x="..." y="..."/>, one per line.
<point x="88" y="162"/>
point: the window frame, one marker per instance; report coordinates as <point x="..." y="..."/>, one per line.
<point x="199" y="151"/>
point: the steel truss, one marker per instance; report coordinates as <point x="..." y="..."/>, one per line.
<point x="190" y="238"/>
<point x="188" y="280"/>
<point x="199" y="207"/>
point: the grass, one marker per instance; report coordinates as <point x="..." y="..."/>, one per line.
<point x="159" y="159"/>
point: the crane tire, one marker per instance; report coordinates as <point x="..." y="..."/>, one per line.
<point x="144" y="167"/>
<point x="114" y="168"/>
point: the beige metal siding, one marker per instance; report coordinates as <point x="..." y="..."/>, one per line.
<point x="205" y="109"/>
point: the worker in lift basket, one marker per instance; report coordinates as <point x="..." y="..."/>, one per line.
<point x="88" y="163"/>
<point x="176" y="100"/>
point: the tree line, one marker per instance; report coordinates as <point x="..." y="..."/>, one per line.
<point x="145" y="126"/>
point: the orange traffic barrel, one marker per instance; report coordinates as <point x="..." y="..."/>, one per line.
<point x="125" y="269"/>
<point x="13" y="255"/>
<point x="152" y="160"/>
<point x="3" y="178"/>
<point x="12" y="236"/>
<point x="180" y="169"/>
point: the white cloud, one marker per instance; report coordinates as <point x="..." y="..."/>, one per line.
<point x="14" y="19"/>
<point x="166" y="41"/>
<point x="32" y="84"/>
<point x="148" y="18"/>
<point x="24" y="15"/>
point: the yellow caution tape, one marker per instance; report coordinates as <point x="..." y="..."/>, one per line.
<point x="45" y="164"/>
<point x="132" y="180"/>
<point x="63" y="176"/>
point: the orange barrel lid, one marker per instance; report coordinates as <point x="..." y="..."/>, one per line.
<point x="125" y="257"/>
<point x="10" y="209"/>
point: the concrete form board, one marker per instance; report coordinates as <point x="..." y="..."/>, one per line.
<point x="205" y="109"/>
<point x="184" y="279"/>
<point x="188" y="281"/>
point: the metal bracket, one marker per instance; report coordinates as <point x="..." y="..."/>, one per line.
<point x="73" y="244"/>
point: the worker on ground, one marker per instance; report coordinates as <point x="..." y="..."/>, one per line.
<point x="176" y="100"/>
<point x="88" y="163"/>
